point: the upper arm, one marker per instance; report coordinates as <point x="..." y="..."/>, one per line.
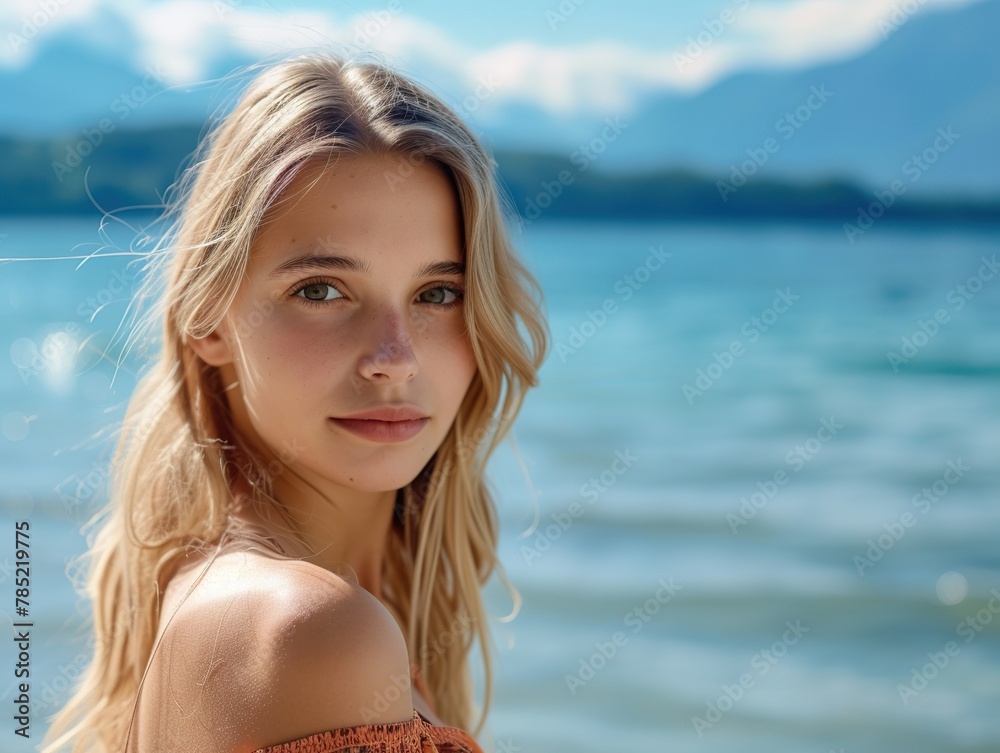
<point x="335" y="658"/>
<point x="266" y="655"/>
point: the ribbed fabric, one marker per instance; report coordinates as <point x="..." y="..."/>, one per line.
<point x="415" y="736"/>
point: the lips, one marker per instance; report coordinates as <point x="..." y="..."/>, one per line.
<point x="382" y="431"/>
<point x="387" y="413"/>
<point x="387" y="423"/>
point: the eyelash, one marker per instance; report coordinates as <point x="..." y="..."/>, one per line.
<point x="459" y="293"/>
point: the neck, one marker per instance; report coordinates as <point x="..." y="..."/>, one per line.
<point x="341" y="530"/>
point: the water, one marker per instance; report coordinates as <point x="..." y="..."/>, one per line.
<point x="788" y="621"/>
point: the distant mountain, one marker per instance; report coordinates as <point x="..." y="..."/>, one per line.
<point x="867" y="117"/>
<point x="939" y="69"/>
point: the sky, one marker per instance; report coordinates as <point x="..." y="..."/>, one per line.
<point x="566" y="56"/>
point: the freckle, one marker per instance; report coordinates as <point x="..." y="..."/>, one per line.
<point x="333" y="206"/>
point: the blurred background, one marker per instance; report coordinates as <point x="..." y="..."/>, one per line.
<point x="753" y="504"/>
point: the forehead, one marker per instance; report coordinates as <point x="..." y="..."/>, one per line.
<point x="382" y="207"/>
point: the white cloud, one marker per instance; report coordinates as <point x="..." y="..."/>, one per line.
<point x="599" y="77"/>
<point x="24" y="22"/>
<point x="817" y="30"/>
<point x="800" y="33"/>
<point x="187" y="39"/>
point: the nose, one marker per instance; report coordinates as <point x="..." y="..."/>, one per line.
<point x="389" y="358"/>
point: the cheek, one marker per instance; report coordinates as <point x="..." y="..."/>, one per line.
<point x="288" y="354"/>
<point x="449" y="355"/>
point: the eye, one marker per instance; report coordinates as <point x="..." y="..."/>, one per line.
<point x="439" y="296"/>
<point x="318" y="292"/>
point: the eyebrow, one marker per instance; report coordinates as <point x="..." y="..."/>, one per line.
<point x="305" y="262"/>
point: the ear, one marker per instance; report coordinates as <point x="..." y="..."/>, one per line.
<point x="214" y="348"/>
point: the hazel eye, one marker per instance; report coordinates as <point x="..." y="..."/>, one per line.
<point x="315" y="292"/>
<point x="439" y="295"/>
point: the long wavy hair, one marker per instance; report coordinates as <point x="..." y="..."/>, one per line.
<point x="178" y="454"/>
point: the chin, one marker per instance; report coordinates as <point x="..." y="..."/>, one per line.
<point x="372" y="480"/>
<point x="375" y="486"/>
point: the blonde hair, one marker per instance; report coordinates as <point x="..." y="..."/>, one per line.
<point x="178" y="452"/>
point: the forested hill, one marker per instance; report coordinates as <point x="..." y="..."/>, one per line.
<point x="126" y="168"/>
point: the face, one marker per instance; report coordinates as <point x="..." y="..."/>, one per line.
<point x="352" y="301"/>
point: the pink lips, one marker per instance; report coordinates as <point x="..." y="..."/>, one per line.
<point x="388" y="423"/>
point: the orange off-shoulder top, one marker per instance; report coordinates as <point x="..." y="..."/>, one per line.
<point x="417" y="735"/>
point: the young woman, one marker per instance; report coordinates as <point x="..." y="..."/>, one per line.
<point x="299" y="526"/>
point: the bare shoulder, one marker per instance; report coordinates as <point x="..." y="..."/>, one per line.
<point x="272" y="650"/>
<point x="337" y="657"/>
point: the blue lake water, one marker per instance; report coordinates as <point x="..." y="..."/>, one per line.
<point x="752" y="505"/>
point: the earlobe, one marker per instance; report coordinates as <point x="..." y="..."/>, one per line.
<point x="213" y="349"/>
